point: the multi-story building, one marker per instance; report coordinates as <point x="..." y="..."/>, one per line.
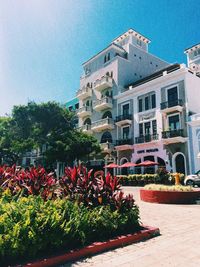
<point x="137" y="105"/>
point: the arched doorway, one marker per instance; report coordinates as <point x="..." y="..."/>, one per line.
<point x="106" y="137"/>
<point x="87" y="121"/>
<point x="124" y="171"/>
<point x="107" y="114"/>
<point x="179" y="163"/>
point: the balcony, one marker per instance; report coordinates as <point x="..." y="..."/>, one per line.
<point x="86" y="128"/>
<point x="175" y="105"/>
<point x="103" y="83"/>
<point x="84" y="111"/>
<point x="84" y="93"/>
<point x="123" y="119"/>
<point x="101" y="125"/>
<point x="124" y="144"/>
<point x="146" y="138"/>
<point x="102" y="104"/>
<point x="173" y="136"/>
<point x="107" y="147"/>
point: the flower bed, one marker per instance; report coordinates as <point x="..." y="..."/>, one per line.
<point x="169" y="194"/>
<point x="40" y="215"/>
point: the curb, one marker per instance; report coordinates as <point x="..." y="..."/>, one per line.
<point x="97" y="247"/>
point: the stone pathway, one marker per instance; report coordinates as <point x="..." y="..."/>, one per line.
<point x="177" y="246"/>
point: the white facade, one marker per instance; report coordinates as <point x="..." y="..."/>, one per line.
<point x="137" y="105"/>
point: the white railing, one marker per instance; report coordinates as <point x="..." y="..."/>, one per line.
<point x="102" y="122"/>
<point x="84" y="109"/>
<point x="84" y="90"/>
<point x="104" y="79"/>
<point x="105" y="100"/>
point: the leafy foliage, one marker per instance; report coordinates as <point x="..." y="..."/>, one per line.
<point x="39" y="213"/>
<point x="34" y="125"/>
<point x="177" y="188"/>
<point x="31" y="226"/>
<point x="77" y="184"/>
<point x="143" y="179"/>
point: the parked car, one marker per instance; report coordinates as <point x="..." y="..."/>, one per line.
<point x="193" y="179"/>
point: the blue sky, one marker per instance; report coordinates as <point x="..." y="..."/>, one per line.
<point x="44" y="42"/>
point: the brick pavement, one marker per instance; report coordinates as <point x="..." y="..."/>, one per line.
<point x="177" y="246"/>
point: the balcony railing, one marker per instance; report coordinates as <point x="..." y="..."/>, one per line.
<point x="103" y="83"/>
<point x="175" y="102"/>
<point x="84" y="92"/>
<point x="85" y="128"/>
<point x="103" y="124"/>
<point x="122" y="142"/>
<point x="123" y="117"/>
<point x="84" y="111"/>
<point x="172" y="133"/>
<point x="106" y="146"/>
<point x="146" y="138"/>
<point x="103" y="103"/>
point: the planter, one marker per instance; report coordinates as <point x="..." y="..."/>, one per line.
<point x="97" y="247"/>
<point x="169" y="197"/>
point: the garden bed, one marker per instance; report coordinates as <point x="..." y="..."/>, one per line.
<point x="40" y="215"/>
<point x="97" y="247"/>
<point x="169" y="194"/>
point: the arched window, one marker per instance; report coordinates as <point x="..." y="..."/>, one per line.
<point x="87" y="121"/>
<point x="88" y="103"/>
<point x="107" y="114"/>
<point x="161" y="162"/>
<point x="106" y="137"/>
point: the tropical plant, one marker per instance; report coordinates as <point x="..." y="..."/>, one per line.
<point x="31" y="227"/>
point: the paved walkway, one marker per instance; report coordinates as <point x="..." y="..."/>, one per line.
<point x="178" y="244"/>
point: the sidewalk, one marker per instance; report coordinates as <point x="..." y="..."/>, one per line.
<point x="178" y="245"/>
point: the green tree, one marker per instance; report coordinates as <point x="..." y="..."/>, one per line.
<point x="34" y="125"/>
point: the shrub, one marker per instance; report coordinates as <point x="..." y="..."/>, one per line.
<point x="160" y="187"/>
<point x="161" y="177"/>
<point x="30" y="226"/>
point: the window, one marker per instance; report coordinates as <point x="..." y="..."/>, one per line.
<point x="125" y="132"/>
<point x="154" y="127"/>
<point x="153" y="101"/>
<point x="174" y="122"/>
<point x="141" y="129"/>
<point x="146" y="101"/>
<point x="108" y="57"/>
<point x="140" y="105"/>
<point x="105" y="59"/>
<point x="172" y="96"/>
<point x="139" y="42"/>
<point x="125" y="109"/>
<point x="77" y="106"/>
<point x="148" y="128"/>
<point x="149" y="101"/>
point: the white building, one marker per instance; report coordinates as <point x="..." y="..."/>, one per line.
<point x="137" y="105"/>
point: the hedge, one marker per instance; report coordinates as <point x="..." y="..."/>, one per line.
<point x="143" y="179"/>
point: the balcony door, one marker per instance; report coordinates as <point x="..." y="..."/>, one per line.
<point x="172" y="96"/>
<point x="125" y="133"/>
<point x="125" y="110"/>
<point x="174" y="122"/>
